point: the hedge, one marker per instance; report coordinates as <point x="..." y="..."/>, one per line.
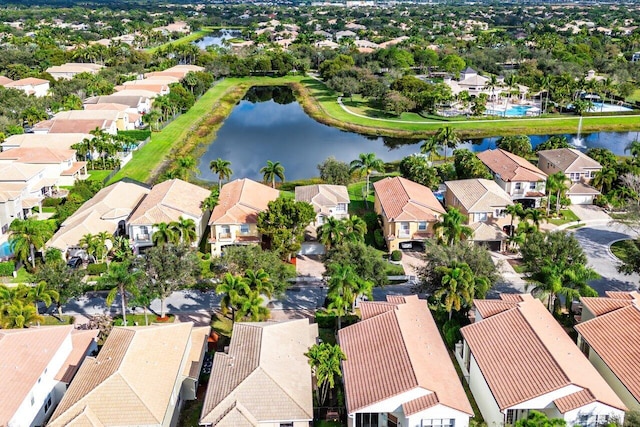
<point x="7" y="268"/>
<point x="326" y="319"/>
<point x="396" y="255"/>
<point x="51" y="201"/>
<point x="96" y="269"/>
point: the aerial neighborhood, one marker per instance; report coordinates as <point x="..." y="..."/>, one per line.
<point x="299" y="214"/>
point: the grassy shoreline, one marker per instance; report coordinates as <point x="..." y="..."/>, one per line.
<point x="193" y="131"/>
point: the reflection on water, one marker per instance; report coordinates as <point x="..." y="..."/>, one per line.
<point x="217" y="38"/>
<point x="269" y="125"/>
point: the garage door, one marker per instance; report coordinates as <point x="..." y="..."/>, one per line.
<point x="581" y="200"/>
<point x="311" y="248"/>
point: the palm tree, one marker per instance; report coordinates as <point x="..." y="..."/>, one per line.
<point x="325" y="360"/>
<point x="233" y="288"/>
<point x="556" y="182"/>
<point x="536" y="215"/>
<point x="355" y="228"/>
<point x="457" y="286"/>
<point x="451" y="227"/>
<point x="185" y="229"/>
<point x="514" y="210"/>
<point x="331" y="232"/>
<point x="364" y="165"/>
<point x="211" y="201"/>
<point x="121" y="250"/>
<point x="252" y="306"/>
<point x="344" y="286"/>
<point x="259" y="281"/>
<point x="27" y="236"/>
<point x="184" y="166"/>
<point x="19" y="314"/>
<point x="428" y="147"/>
<point x="272" y="171"/>
<point x="222" y="168"/>
<point x="164" y="233"/>
<point x="604" y="179"/>
<point x="633" y="148"/>
<point x="122" y="279"/>
<point x="447" y="138"/>
<point x="39" y="292"/>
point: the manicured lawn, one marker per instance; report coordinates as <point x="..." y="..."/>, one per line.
<point x="221" y="324"/>
<point x="190" y="414"/>
<point x="394" y="270"/>
<point x="619" y="250"/>
<point x="182" y="40"/>
<point x="566" y="216"/>
<point x="139" y="318"/>
<point x="98" y="175"/>
<point x="22" y="277"/>
<point x="53" y="321"/>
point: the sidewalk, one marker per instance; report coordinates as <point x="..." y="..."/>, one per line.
<point x="513" y="282"/>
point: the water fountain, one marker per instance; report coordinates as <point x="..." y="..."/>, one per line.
<point x="578" y="141"/>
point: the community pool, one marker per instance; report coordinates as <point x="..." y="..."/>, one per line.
<point x="601" y="107"/>
<point x="512" y="111"/>
<point x="5" y="250"/>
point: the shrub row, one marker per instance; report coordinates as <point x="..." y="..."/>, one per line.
<point x="96" y="269"/>
<point x="7" y="268"/>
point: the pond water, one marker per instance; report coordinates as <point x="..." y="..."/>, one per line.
<point x="268" y="124"/>
<point x="217" y="38"/>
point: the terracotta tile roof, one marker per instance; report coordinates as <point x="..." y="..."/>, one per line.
<point x="75" y="167"/>
<point x="323" y="197"/>
<point x="413" y="357"/>
<point x="74" y="67"/>
<point x="567" y="159"/>
<point x="88" y="115"/>
<point x="81" y="340"/>
<point x="488" y="307"/>
<point x="72" y="126"/>
<point x="137" y="92"/>
<point x="404" y="200"/>
<point x="240" y="201"/>
<point x="147" y="87"/>
<point x="132" y="379"/>
<point x="264" y="377"/>
<point x="599" y="305"/>
<point x="574" y="400"/>
<point x="5" y="80"/>
<point x="371" y="309"/>
<point x="420" y="404"/>
<point x="24" y="355"/>
<point x="132" y="101"/>
<point x="62" y="141"/>
<point x="511" y="167"/>
<point x="524" y="353"/>
<point x="582" y="188"/>
<point x="29" y="81"/>
<point x="38" y="155"/>
<point x="615" y="338"/>
<point x="622" y="295"/>
<point x="19" y="172"/>
<point x="514" y="297"/>
<point x="168" y="201"/>
<point x="479" y="195"/>
<point x="483" y="232"/>
<point x="113" y="106"/>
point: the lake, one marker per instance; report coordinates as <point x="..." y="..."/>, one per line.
<point x="217" y="38"/>
<point x="268" y="124"/>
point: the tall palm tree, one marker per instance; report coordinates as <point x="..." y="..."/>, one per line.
<point x="344" y="287"/>
<point x="39" y="292"/>
<point x="364" y="165"/>
<point x="233" y="288"/>
<point x="164" y="233"/>
<point x="27" y="236"/>
<point x="122" y="279"/>
<point x="514" y="210"/>
<point x="633" y="148"/>
<point x="222" y="168"/>
<point x="447" y="137"/>
<point x="457" y="286"/>
<point x="536" y="215"/>
<point x="451" y="227"/>
<point x="19" y="314"/>
<point x="185" y="229"/>
<point x="252" y="306"/>
<point x="325" y="360"/>
<point x="272" y="171"/>
<point x="557" y="183"/>
<point x="355" y="228"/>
<point x="259" y="281"/>
<point x="604" y="179"/>
<point x="428" y="147"/>
<point x="331" y="232"/>
<point x="184" y="166"/>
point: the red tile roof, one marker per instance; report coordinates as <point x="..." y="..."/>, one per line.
<point x="404" y="200"/>
<point x="511" y="167"/>
<point x="240" y="201"/>
<point x="574" y="400"/>
<point x="599" y="306"/>
<point x="395" y="352"/>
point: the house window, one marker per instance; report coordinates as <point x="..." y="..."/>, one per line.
<point x="366" y="420"/>
<point x="342" y="207"/>
<point x="225" y="232"/>
<point x="286" y="424"/>
<point x="482" y="216"/>
<point x="518" y="186"/>
<point x="404" y="229"/>
<point x="584" y="347"/>
<point x="47" y="404"/>
<point x="33" y="400"/>
<point x="422" y="226"/>
<point x="574" y="176"/>
<point x="244" y="229"/>
<point x="510" y="416"/>
<point x="439" y="422"/>
<point x="532" y="186"/>
<point x="500" y="213"/>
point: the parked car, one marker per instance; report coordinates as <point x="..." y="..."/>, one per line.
<point x="74" y="262"/>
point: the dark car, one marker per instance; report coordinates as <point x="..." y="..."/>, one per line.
<point x="74" y="262"/>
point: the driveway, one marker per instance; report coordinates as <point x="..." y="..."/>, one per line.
<point x="589" y="213"/>
<point x="309" y="267"/>
<point x="595" y="240"/>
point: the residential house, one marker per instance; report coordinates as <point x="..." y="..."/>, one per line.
<point x="62" y="169"/>
<point x="484" y="204"/>
<point x="11" y="195"/>
<point x="577" y="166"/>
<point x="168" y="202"/>
<point x="32" y="181"/>
<point x="179" y="71"/>
<point x="133" y="117"/>
<point x="56" y="141"/>
<point x="136" y="92"/>
<point x="475" y="84"/>
<point x="517" y="358"/>
<point x="141" y="377"/>
<point x="611" y="341"/>
<point x="75" y="126"/>
<point x="525" y="183"/>
<point x="137" y="104"/>
<point x="329" y="201"/>
<point x="408" y="210"/>
<point x="408" y="381"/>
<point x="71" y="69"/>
<point x="159" y="87"/>
<point x="30" y="86"/>
<point x="37" y="365"/>
<point x="119" y="116"/>
<point x="234" y="220"/>
<point x="5" y="80"/>
<point x="107" y="211"/>
<point x="264" y="379"/>
<point x="345" y="33"/>
<point x="592" y="307"/>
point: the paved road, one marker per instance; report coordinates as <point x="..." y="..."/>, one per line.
<point x="595" y="241"/>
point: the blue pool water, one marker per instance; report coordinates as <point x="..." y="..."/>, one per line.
<point x="5" y="250"/>
<point x="513" y="111"/>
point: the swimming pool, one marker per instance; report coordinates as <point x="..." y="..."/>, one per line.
<point x="5" y="250"/>
<point x="601" y="107"/>
<point x="512" y="111"/>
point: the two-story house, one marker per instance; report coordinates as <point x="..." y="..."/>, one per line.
<point x="11" y="195"/>
<point x="525" y="183"/>
<point x="36" y="366"/>
<point x="167" y="202"/>
<point x="136" y="103"/>
<point x="579" y="168"/>
<point x="56" y="141"/>
<point x="62" y="169"/>
<point x="329" y="201"/>
<point x="609" y="336"/>
<point x="141" y="377"/>
<point x="484" y="204"/>
<point x="30" y="86"/>
<point x="71" y="69"/>
<point x="234" y="220"/>
<point x="32" y="181"/>
<point x="517" y="358"/>
<point x="408" y="210"/>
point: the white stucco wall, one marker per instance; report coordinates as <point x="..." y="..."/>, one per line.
<point x="483" y="396"/>
<point x="613" y="381"/>
<point x="438" y="412"/>
<point x="593" y="409"/>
